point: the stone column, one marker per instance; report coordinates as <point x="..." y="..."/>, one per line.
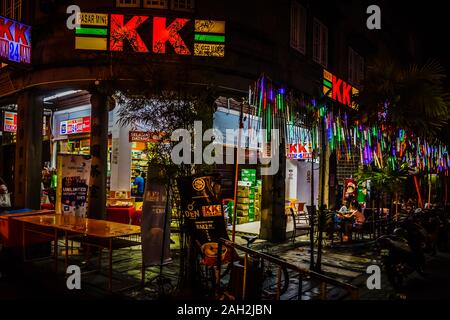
<point x="28" y="164"/>
<point x="121" y="156"/>
<point x="99" y="154"/>
<point x="273" y="218"/>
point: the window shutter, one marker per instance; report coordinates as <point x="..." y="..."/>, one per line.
<point x="351" y="67"/>
<point x="298" y="27"/>
<point x="294" y="26"/>
<point x="360" y="69"/>
<point x="316" y="42"/>
<point x="324" y="33"/>
<point x="302" y="29"/>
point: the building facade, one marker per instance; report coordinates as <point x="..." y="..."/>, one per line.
<point x="124" y="45"/>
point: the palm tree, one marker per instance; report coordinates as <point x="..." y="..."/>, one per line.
<point x="411" y="98"/>
<point x="383" y="180"/>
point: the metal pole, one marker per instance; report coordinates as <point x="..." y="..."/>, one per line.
<point x="311" y="217"/>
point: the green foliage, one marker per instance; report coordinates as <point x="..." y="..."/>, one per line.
<point x="384" y="179"/>
<point x="411" y="98"/>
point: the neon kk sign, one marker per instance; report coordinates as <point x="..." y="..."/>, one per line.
<point x="339" y="90"/>
<point x="146" y="34"/>
<point x="15" y="41"/>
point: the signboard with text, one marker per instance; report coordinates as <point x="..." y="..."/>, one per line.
<point x="338" y="90"/>
<point x="143" y="136"/>
<point x="150" y="34"/>
<point x="299" y="151"/>
<point x="15" y="41"/>
<point x="79" y="125"/>
<point x="10" y="122"/>
<point x="74" y="174"/>
<point x="201" y="205"/>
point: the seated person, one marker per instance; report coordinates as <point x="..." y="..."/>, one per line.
<point x="357" y="217"/>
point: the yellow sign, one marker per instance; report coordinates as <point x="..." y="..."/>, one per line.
<point x="209" y="50"/>
<point x="85" y="43"/>
<point x="93" y="19"/>
<point x="209" y="26"/>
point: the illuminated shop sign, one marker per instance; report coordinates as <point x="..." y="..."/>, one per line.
<point x="144" y="136"/>
<point x="79" y="125"/>
<point x="15" y="41"/>
<point x="339" y="90"/>
<point x="299" y="151"/>
<point x="10" y="122"/>
<point x="146" y="34"/>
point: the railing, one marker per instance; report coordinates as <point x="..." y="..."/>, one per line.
<point x="302" y="273"/>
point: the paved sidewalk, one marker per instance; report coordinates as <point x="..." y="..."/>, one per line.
<point x="347" y="263"/>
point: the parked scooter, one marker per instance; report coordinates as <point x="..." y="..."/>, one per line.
<point x="403" y="251"/>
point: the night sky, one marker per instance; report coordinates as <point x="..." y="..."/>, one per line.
<point x="430" y="21"/>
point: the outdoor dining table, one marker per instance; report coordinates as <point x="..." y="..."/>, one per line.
<point x="100" y="233"/>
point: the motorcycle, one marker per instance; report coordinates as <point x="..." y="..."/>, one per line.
<point x="402" y="251"/>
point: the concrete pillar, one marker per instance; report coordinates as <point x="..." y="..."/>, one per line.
<point x="28" y="170"/>
<point x="273" y="218"/>
<point x="99" y="154"/>
<point x="291" y="179"/>
<point x="121" y="157"/>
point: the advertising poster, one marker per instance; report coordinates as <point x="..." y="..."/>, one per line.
<point x="73" y="193"/>
<point x="156" y="214"/>
<point x="350" y="189"/>
<point x="201" y="204"/>
<point x="10" y="122"/>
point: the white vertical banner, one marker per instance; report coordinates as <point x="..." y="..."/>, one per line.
<point x="74" y="173"/>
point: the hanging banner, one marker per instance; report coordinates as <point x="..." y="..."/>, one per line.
<point x="201" y="204"/>
<point x="156" y="219"/>
<point x="74" y="173"/>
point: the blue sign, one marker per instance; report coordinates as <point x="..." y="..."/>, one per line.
<point x="15" y="41"/>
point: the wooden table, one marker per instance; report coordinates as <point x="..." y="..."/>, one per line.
<point x="99" y="233"/>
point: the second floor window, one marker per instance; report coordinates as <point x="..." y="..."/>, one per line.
<point x="183" y="4"/>
<point x="129" y="3"/>
<point x="355" y="67"/>
<point x="320" y="43"/>
<point x="159" y="4"/>
<point x="11" y="9"/>
<point x="298" y="27"/>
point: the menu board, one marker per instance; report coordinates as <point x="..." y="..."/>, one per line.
<point x="201" y="204"/>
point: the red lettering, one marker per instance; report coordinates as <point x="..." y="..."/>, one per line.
<point x="302" y="149"/>
<point x="5" y="31"/>
<point x="162" y="34"/>
<point x="337" y="89"/>
<point x="292" y="148"/>
<point x="19" y="34"/>
<point x="346" y="93"/>
<point x="120" y="32"/>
